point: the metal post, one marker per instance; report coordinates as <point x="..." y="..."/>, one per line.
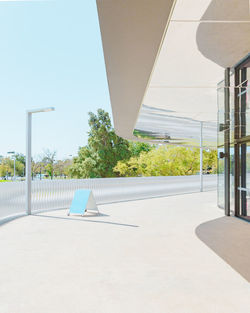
<point x="28" y="163"/>
<point x="14" y="168"/>
<point x="243" y="146"/>
<point x="201" y="158"/>
<point x="236" y="144"/>
<point x="28" y="154"/>
<point x="227" y="142"/>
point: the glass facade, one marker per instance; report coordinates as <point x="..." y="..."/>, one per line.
<point x="160" y="125"/>
<point x="220" y="144"/>
<point x="234" y="140"/>
<point x="221" y="182"/>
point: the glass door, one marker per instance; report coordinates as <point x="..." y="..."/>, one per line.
<point x="244" y="181"/>
<point x="220" y="145"/>
<point x="223" y="143"/>
<point x="242" y="139"/>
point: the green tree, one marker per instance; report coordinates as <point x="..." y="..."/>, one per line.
<point x="168" y="161"/>
<point x="61" y="168"/>
<point x="20" y="158"/>
<point x="136" y="148"/>
<point x="210" y="161"/>
<point x="48" y="159"/>
<point x="7" y="167"/>
<point x="163" y="161"/>
<point x="37" y="168"/>
<point x="103" y="151"/>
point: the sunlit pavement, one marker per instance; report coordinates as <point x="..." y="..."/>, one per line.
<point x="164" y="255"/>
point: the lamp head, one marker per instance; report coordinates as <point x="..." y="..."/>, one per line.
<point x="49" y="109"/>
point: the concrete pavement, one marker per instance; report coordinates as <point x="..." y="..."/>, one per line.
<point x="164" y="255"/>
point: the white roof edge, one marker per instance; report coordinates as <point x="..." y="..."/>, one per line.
<point x="132" y="35"/>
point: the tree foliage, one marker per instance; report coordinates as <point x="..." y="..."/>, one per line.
<point x="108" y="155"/>
<point x="61" y="168"/>
<point x="103" y="151"/>
<point x="7" y="167"/>
<point x="20" y="158"/>
<point x="166" y="161"/>
<point x="48" y="159"/>
<point x="210" y="161"/>
<point x="45" y="164"/>
<point x="136" y="148"/>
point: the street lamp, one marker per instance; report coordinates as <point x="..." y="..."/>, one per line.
<point x="28" y="153"/>
<point x="13" y="153"/>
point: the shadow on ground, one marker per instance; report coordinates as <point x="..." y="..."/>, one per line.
<point x="84" y="219"/>
<point x="229" y="238"/>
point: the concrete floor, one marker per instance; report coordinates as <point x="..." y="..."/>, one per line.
<point x="164" y="255"/>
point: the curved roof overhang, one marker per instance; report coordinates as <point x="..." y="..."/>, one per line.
<point x="164" y="59"/>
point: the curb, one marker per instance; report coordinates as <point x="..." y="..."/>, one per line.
<point x="10" y="218"/>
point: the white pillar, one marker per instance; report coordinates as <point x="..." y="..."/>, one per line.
<point x="28" y="163"/>
<point x="201" y="157"/>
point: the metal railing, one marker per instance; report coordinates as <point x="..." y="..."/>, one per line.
<point x="58" y="193"/>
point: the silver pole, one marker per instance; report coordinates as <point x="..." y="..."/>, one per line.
<point x="14" y="168"/>
<point x="28" y="163"/>
<point x="28" y="154"/>
<point x="201" y="158"/>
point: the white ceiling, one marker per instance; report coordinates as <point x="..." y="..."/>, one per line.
<point x="184" y="80"/>
<point x="201" y="38"/>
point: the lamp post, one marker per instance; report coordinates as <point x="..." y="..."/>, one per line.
<point x="28" y="154"/>
<point x="13" y="153"/>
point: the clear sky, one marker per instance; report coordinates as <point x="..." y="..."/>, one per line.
<point x="50" y="55"/>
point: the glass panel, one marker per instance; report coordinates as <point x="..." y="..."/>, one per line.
<point x="221" y="116"/>
<point x="220" y="143"/>
<point x="232" y="163"/>
<point x="232" y="114"/>
<point x="245" y="180"/>
<point x="247" y="211"/>
<point x="221" y="181"/>
<point x="244" y="94"/>
<point x="158" y="125"/>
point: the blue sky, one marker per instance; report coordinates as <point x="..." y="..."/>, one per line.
<point x="50" y="55"/>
